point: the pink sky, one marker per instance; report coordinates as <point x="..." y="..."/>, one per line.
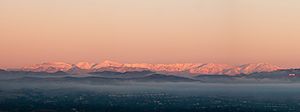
<point x="150" y="31"/>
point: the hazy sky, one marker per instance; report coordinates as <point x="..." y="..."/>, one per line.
<point x="150" y="31"/>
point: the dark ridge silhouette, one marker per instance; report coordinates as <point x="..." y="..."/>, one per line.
<point x="131" y="74"/>
<point x="32" y="73"/>
<point x="2" y="71"/>
<point x="162" y="77"/>
<point x="286" y="73"/>
<point x="106" y="72"/>
<point x="139" y="72"/>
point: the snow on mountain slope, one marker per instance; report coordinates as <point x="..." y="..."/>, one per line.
<point x="189" y="68"/>
<point x="165" y="67"/>
<point x="107" y="63"/>
<point x="259" y="67"/>
<point x="210" y="68"/>
<point x="85" y="65"/>
<point x="50" y="67"/>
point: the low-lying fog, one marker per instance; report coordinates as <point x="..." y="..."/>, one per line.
<point x="178" y="88"/>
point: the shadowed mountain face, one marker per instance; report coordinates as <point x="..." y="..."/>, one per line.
<point x="280" y="76"/>
<point x="1" y="70"/>
<point x="288" y="73"/>
<point x="9" y="73"/>
<point x="132" y="74"/>
<point x="163" y="78"/>
<point x="94" y="78"/>
<point x="190" y="69"/>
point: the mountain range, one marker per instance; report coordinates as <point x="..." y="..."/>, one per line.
<point x="191" y="69"/>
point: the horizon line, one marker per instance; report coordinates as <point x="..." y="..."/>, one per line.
<point x="113" y="61"/>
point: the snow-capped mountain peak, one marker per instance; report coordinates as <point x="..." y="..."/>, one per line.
<point x="211" y="68"/>
<point x="107" y="63"/>
<point x="50" y="67"/>
<point x="184" y="68"/>
<point x="85" y="65"/>
<point x="258" y="67"/>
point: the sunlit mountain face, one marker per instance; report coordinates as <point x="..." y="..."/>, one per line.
<point x="179" y="68"/>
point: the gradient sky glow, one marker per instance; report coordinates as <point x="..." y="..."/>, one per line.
<point x="150" y="31"/>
